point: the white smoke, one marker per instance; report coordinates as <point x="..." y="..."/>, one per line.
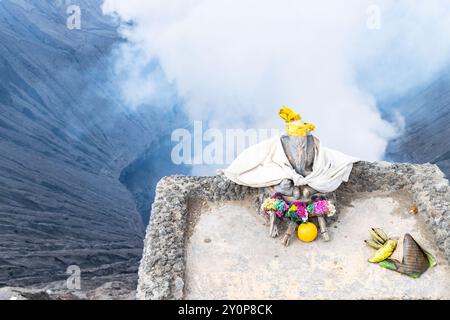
<point x="234" y="63"/>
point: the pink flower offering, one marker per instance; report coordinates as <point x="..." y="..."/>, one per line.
<point x="321" y="207"/>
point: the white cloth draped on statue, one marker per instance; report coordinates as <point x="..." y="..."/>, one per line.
<point x="266" y="164"/>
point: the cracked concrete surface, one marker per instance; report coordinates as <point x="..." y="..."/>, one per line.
<point x="230" y="256"/>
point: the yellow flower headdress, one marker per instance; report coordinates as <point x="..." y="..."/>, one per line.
<point x="294" y="124"/>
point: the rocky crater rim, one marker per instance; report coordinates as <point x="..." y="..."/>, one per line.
<point x="163" y="265"/>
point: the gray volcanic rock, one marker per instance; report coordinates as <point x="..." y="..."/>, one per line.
<point x="114" y="290"/>
<point x="64" y="140"/>
<point x="426" y="137"/>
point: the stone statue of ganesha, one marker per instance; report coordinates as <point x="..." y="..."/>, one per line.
<point x="296" y="172"/>
<point x="299" y="145"/>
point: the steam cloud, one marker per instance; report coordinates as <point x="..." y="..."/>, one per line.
<point x="234" y="63"/>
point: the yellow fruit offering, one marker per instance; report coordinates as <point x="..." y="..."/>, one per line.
<point x="384" y="252"/>
<point x="307" y="232"/>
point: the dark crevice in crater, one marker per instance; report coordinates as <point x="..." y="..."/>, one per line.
<point x="141" y="176"/>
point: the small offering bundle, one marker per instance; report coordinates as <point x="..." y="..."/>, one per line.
<point x="275" y="205"/>
<point x="321" y="207"/>
<point x="403" y="255"/>
<point x="298" y="212"/>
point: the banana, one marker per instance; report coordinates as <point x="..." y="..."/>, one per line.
<point x="381" y="233"/>
<point x="373" y="244"/>
<point x="384" y="252"/>
<point x="376" y="237"/>
<point x="378" y="242"/>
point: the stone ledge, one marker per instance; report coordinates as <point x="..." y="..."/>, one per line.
<point x="161" y="272"/>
